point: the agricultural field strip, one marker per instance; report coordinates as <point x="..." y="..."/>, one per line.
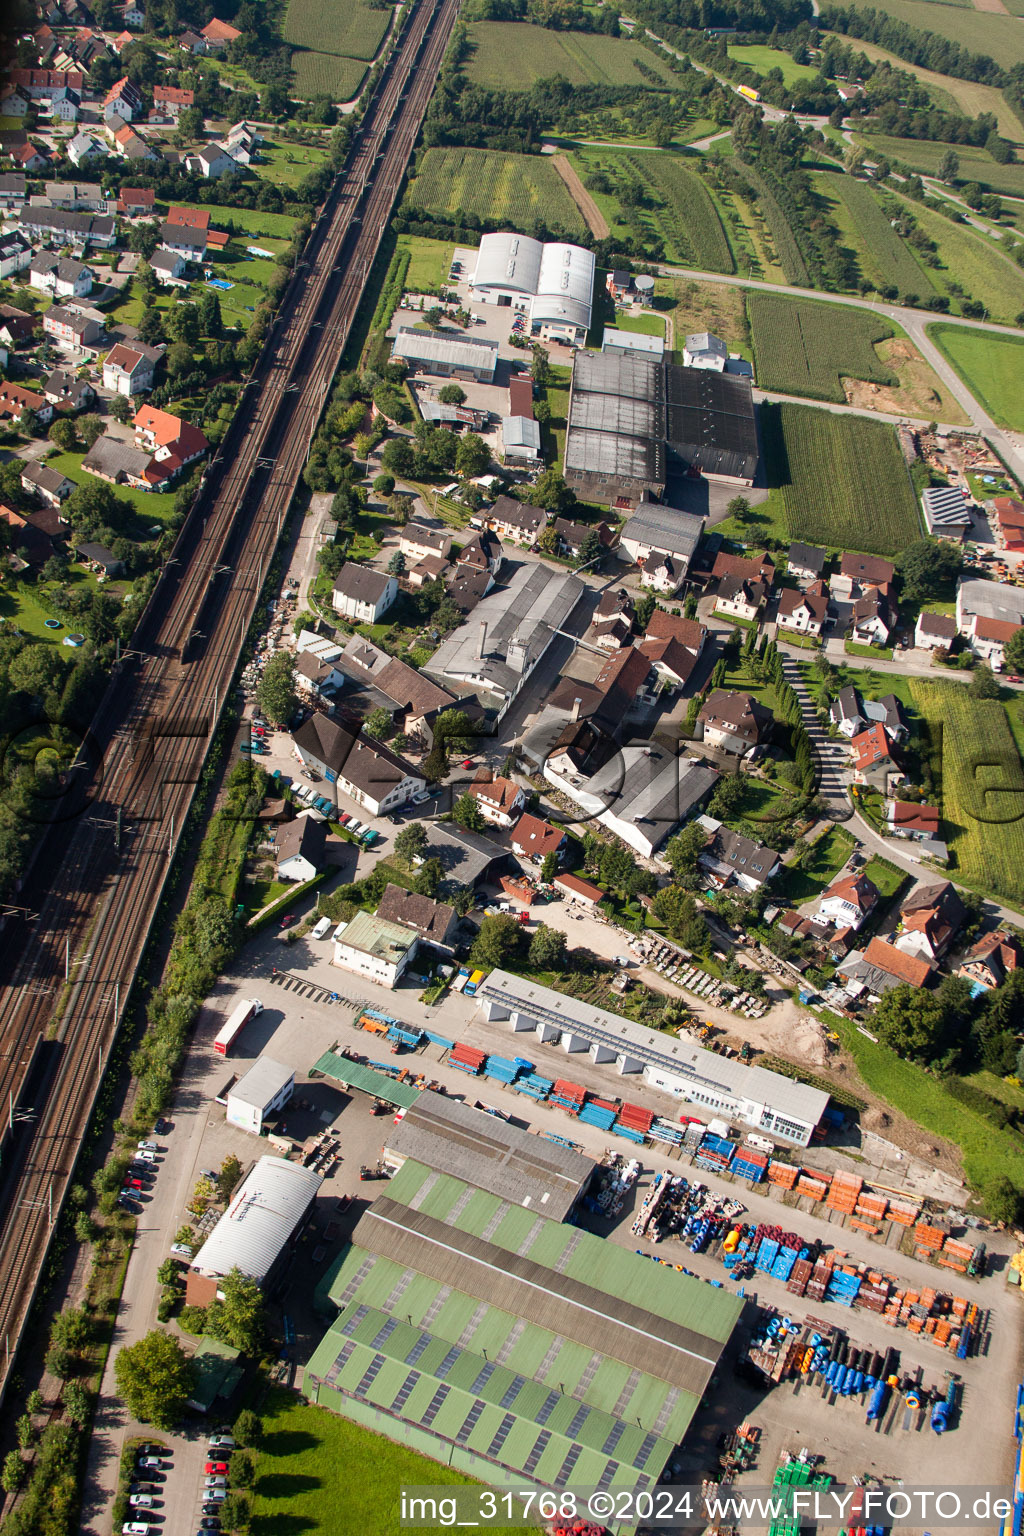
<point x="992" y="367"/>
<point x="581" y="58"/>
<point x="693" y="219"/>
<point x="926" y="155"/>
<point x="889" y="258"/>
<point x="787" y="250"/>
<point x="505" y="188"/>
<point x="1002" y="37"/>
<point x="803" y="347"/>
<point x="344" y="27"/>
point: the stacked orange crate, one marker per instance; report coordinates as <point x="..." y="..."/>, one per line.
<point x="872" y="1206"/>
<point x="845" y="1190"/>
<point x="784" y="1174"/>
<point x="905" y="1214"/>
<point x="816" y="1188"/>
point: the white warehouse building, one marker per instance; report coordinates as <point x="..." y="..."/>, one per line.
<point x="751" y="1095"/>
<point x="256" y="1097"/>
<point x="551" y="282"/>
<point x="258" y="1230"/>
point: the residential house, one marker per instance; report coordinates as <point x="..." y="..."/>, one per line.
<point x="29" y="546"/>
<point x="1000" y="605"/>
<point x="65" y="109"/>
<point x="46" y="483"/>
<point x="729" y="858"/>
<point x="744" y="585"/>
<point x="689" y="633"/>
<point x="85" y="147"/>
<point x="81" y="196"/>
<point x="173" y="443"/>
<point x="702" y="350"/>
<point x="662" y="541"/>
<point x="880" y="967"/>
<point x="735" y="722"/>
<point x="136" y="202"/>
<point x="301" y="848"/>
<point x="133" y="15"/>
<point x="314" y="678"/>
<point x="129" y="370"/>
<point x="612" y="625"/>
<point x="873" y="758"/>
<point x="15" y="254"/>
<point x="987" y="638"/>
<point x="908" y="819"/>
<point x="219" y="33"/>
<point x="169" y="269"/>
<point x="67" y="226"/>
<point x="616" y="692"/>
<point x="118" y="462"/>
<point x="15" y="398"/>
<point x="30" y="159"/>
<point x="374" y="948"/>
<point x="857" y="574"/>
<point x="211" y="162"/>
<point x="59" y="275"/>
<point x="850" y="714"/>
<point x="72" y="331"/>
<point x="934" y="631"/>
<point x="806" y="563"/>
<point x="570" y="536"/>
<point x="846" y="712"/>
<point x="535" y="839"/>
<point x="483" y="552"/>
<point x="848" y="901"/>
<point x="66" y="392"/>
<point x="498" y="799"/>
<point x="988" y="962"/>
<point x="430" y="568"/>
<point x="187" y="240"/>
<point x="579" y="750"/>
<point x="671" y="661"/>
<point x="131" y="145"/>
<point x="362" y="594"/>
<point x="193" y="43"/>
<point x="874" y="617"/>
<point x="416" y="541"/>
<point x="466" y="587"/>
<point x="17" y="326"/>
<point x="12" y="190"/>
<point x="169" y="101"/>
<point x="46" y="84"/>
<point x="123" y="100"/>
<point x="13" y="103"/>
<point x="806" y="613"/>
<point x="377" y="778"/>
<point x="434" y="921"/>
<point x="756" y="567"/>
<point x="642" y="794"/>
<point x="1008" y="520"/>
<point x="931" y="918"/>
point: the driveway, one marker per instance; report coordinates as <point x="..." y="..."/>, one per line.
<point x="832" y="760"/>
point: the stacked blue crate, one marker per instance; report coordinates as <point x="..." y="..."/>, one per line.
<point x="439" y="1039"/>
<point x="407" y="1037"/>
<point x="743" y="1168"/>
<point x="766" y="1254"/>
<point x="593" y="1114"/>
<point x="665" y="1130"/>
<point x="618" y="1129"/>
<point x="842" y="1288"/>
<point x="783" y="1266"/>
<point x="500" y="1069"/>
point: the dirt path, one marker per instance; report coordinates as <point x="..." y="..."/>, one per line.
<point x="596" y="221"/>
<point x="992" y="5"/>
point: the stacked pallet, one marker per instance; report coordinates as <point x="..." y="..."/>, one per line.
<point x="817" y="1285"/>
<point x="871" y="1207"/>
<point x="637" y="1118"/>
<point x="714" y="1153"/>
<point x="843" y="1286"/>
<point x="928" y="1240"/>
<point x="597" y="1114"/>
<point x="750" y="1164"/>
<point x="466" y="1058"/>
<point x="567" y="1096"/>
<point x="783" y="1174"/>
<point x="666" y="1131"/>
<point x="534" y="1086"/>
<point x="902" y="1213"/>
<point x="808" y="1184"/>
<point x="501" y="1069"/>
<point x="797" y="1282"/>
<point x="874" y="1292"/>
<point x="844" y="1192"/>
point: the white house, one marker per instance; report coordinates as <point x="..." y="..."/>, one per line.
<point x="806" y="563"/>
<point x="212" y="162"/>
<point x="702" y="350"/>
<point x="739" y="598"/>
<point x="499" y="800"/>
<point x="417" y="542"/>
<point x="169" y="269"/>
<point x="15" y="254"/>
<point x="934" y="631"/>
<point x="375" y="948"/>
<point x="848" y="901"/>
<point x="128" y="370"/>
<point x="59" y="275"/>
<point x="806" y="613"/>
<point x="85" y="147"/>
<point x="259" y="1094"/>
<point x="377" y="778"/>
<point x="362" y="594"/>
<point x="300" y="848"/>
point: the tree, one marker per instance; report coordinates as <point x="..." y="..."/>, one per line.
<point x="400" y="506"/>
<point x="929" y="567"/>
<point x="1003" y="1201"/>
<point x="179" y="359"/>
<point x="984" y="683"/>
<point x="910" y="1022"/>
<point x="121" y="409"/>
<point x="227" y="1179"/>
<point x="452" y="394"/>
<point x="25" y="1431"/>
<point x="949" y="167"/>
<point x="551" y="492"/>
<point x="379" y="724"/>
<point x="248" y="1429"/>
<point x="236" y="1513"/>
<point x="500" y="940"/>
<point x="398" y="456"/>
<point x="428" y="878"/>
<point x="240" y="1318"/>
<point x="276" y="690"/>
<point x="89" y="429"/>
<point x="396" y="565"/>
<point x="682" y="851"/>
<point x="472" y="456"/>
<point x="63" y="434"/>
<point x="411" y="841"/>
<point x="590" y="548"/>
<point x="549" y="868"/>
<point x="467" y="813"/>
<point x="677" y="909"/>
<point x="548" y="948"/>
<point x="739" y="508"/>
<point x="1013" y="651"/>
<point x="155" y="1377"/>
<point x="77" y="1402"/>
<point x="13" y="1474"/>
<point x="435" y="764"/>
<point x="35" y="1402"/>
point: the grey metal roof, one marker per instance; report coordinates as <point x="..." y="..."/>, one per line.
<point x="610" y="453"/>
<point x="612" y="373"/>
<point x="260" y="1220"/>
<point x="667" y="529"/>
<point x="945" y="506"/>
<point x="373" y="935"/>
<point x="992" y="600"/>
<point x="508" y="260"/>
<point x="464" y="856"/>
<point x="632" y="341"/>
<point x="454" y="351"/>
<point x="651" y="787"/>
<point x="520" y="432"/>
<point x="616" y="413"/>
<point x="535" y="602"/>
<point x="491" y="1154"/>
<point x="263" y="1081"/>
<point x="679" y="1057"/>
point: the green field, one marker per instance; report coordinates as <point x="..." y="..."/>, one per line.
<point x="883" y="257"/>
<point x="1002" y="37"/>
<point x="430" y="262"/>
<point x="326" y="74"/>
<point x="926" y="155"/>
<point x="828" y="855"/>
<point x="976" y="761"/>
<point x="843" y="479"/>
<point x="755" y="56"/>
<point x="976" y="262"/>
<point x="512" y="55"/>
<point x="345" y="27"/>
<point x="787" y="252"/>
<point x="286" y="163"/>
<point x="802" y="348"/>
<point x="320" y="1473"/>
<point x="249" y="221"/>
<point x="513" y="190"/>
<point x="991" y="364"/>
<point x="152" y="506"/>
<point x="950" y="94"/>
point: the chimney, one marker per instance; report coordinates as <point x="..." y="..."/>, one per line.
<point x="482" y="647"/>
<point x="577" y="705"/>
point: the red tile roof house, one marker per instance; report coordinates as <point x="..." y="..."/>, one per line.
<point x="173" y="443"/>
<point x="170" y="100"/>
<point x="881" y="967"/>
<point x="848" y="901"/>
<point x="931" y="918"/>
<point x="499" y="800"/>
<point x="992" y="959"/>
<point x="987" y="639"/>
<point x="910" y="820"/>
<point x="535" y="839"/>
<point x="872" y="757"/>
<point x="575" y="889"/>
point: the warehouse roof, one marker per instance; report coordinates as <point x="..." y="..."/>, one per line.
<point x="991" y="600"/>
<point x="264" y="1079"/>
<point x="260" y="1220"/>
<point x="610" y="453"/>
<point x="664" y="528"/>
<point x="353" y="1074"/>
<point x="520" y="432"/>
<point x="491" y="1154"/>
<point x="711" y="420"/>
<point x="632" y="341"/>
<point x="679" y="1057"/>
<point x="945" y="506"/>
<point x="451" y="349"/>
<point x="558" y="277"/>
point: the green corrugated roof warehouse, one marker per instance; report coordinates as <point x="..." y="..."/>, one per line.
<point x="513" y="1347"/>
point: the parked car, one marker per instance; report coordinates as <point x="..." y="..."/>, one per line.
<point x="181" y="1250"/>
<point x="148" y="1146"/>
<point x="131" y="1184"/>
<point x="146" y="1157"/>
<point x="149" y="1463"/>
<point x="215" y="1482"/>
<point x="288" y="919"/>
<point x="344" y="819"/>
<point x="222" y="1442"/>
<point x="136" y="1528"/>
<point x="141" y="1500"/>
<point x="213" y="1497"/>
<point x="216" y="1466"/>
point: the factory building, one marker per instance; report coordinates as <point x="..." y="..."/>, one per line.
<point x="489" y="1153"/>
<point x="447" y="354"/>
<point x="257" y="1097"/>
<point x="754" y="1096"/>
<point x="552" y="283"/>
<point x="514" y="1348"/>
<point x="635" y="421"/>
<point x="258" y="1230"/>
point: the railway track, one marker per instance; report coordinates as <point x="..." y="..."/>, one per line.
<point x="66" y="974"/>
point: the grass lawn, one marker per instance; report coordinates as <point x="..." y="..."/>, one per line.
<point x="318" y="1472"/>
<point x="286" y="163"/>
<point x="248" y="221"/>
<point x="974" y="260"/>
<point x="763" y="59"/>
<point x="991" y="365"/>
<point x="152" y="506"/>
<point x="430" y="262"/>
<point x="513" y="55"/>
<point x="25" y="606"/>
<point x="886" y="876"/>
<point x="987" y="1151"/>
<point x="646" y="324"/>
<point x="872" y="652"/>
<point x="830" y="853"/>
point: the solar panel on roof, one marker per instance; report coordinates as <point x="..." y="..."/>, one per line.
<point x="530" y="1464"/>
<point x="434" y="1406"/>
